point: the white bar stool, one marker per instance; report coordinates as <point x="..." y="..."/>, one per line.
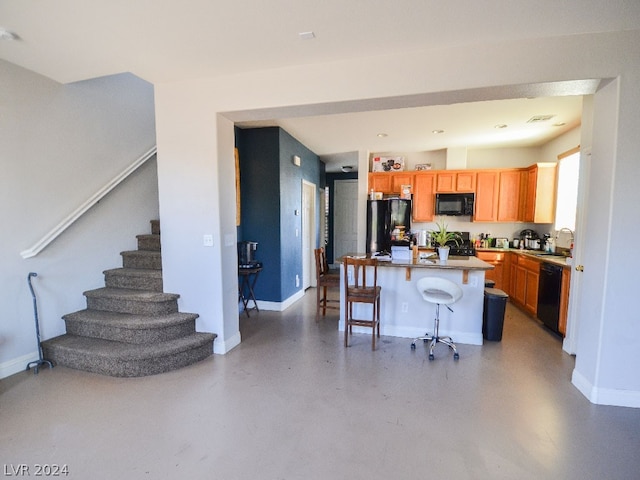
<point x="441" y="292"/>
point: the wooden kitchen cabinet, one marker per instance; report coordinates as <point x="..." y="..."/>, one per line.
<point x="424" y="197"/>
<point x="399" y="179"/>
<point x="501" y="266"/>
<point x="486" y="201"/>
<point x="509" y="198"/>
<point x="380" y="182"/>
<point x="564" y="301"/>
<point x="389" y="183"/>
<point x="525" y="287"/>
<point x="456" y="181"/>
<point x="540" y="194"/>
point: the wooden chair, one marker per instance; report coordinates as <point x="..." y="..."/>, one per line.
<point x="363" y="288"/>
<point x="325" y="279"/>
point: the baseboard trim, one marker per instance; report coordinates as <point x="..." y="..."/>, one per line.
<point x="605" y="396"/>
<point x="280" y="306"/>
<point x="16" y="365"/>
<point x="274" y="306"/>
<point x="222" y="347"/>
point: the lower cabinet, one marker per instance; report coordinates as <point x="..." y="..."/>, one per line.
<point x="521" y="277"/>
<point x="525" y="275"/>
<point x="500" y="272"/>
<point x="564" y="301"/>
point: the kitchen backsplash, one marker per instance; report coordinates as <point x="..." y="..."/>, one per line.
<point x="496" y="230"/>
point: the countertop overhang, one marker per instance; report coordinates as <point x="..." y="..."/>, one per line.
<point x="454" y="262"/>
<point x="465" y="264"/>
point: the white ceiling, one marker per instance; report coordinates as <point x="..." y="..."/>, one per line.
<point x="165" y="40"/>
<point x="471" y="125"/>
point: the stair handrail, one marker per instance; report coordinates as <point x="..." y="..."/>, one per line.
<point x="82" y="209"/>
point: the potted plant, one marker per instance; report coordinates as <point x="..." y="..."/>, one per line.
<point x="441" y="236"/>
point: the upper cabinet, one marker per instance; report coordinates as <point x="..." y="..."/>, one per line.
<point x="486" y="203"/>
<point x="540" y="195"/>
<point x="399" y="179"/>
<point x="456" y="181"/>
<point x="389" y="183"/>
<point x="502" y="195"/>
<point x="423" y="197"/>
<point x="380" y="182"/>
<point x="510" y="202"/>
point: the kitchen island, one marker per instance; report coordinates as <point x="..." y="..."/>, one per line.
<point x="404" y="313"/>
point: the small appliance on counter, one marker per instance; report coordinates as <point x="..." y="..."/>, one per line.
<point x="422" y="238"/>
<point x="530" y="239"/>
<point x="246" y="255"/>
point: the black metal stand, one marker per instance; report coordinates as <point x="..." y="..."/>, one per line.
<point x="248" y="278"/>
<point x="36" y="364"/>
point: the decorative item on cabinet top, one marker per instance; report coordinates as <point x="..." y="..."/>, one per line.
<point x="388" y="164"/>
<point x="423" y="166"/>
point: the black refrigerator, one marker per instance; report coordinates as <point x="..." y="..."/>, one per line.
<point x="382" y="217"/>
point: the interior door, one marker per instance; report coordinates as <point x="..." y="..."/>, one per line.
<point x="308" y="233"/>
<point x="345" y="217"/>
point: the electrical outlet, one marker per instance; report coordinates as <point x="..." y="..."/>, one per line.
<point x="473" y="281"/>
<point x="405" y="307"/>
<point x="207" y="240"/>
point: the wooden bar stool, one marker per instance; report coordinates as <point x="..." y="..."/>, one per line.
<point x="361" y="290"/>
<point x="324" y="281"/>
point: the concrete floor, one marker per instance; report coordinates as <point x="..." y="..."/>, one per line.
<point x="292" y="403"/>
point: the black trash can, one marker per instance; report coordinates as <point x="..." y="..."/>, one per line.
<point x="495" y="303"/>
<point x="490" y="283"/>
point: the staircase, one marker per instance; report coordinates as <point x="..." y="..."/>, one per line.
<point x="130" y="328"/>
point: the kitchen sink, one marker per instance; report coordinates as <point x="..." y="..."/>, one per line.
<point x="548" y="254"/>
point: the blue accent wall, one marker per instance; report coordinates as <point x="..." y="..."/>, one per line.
<point x="270" y="196"/>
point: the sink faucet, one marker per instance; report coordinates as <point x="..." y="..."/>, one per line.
<point x="565" y="229"/>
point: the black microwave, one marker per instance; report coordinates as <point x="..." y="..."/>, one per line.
<point x="454" y="203"/>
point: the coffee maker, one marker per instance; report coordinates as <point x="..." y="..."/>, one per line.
<point x="530" y="239"/>
<point x="246" y="257"/>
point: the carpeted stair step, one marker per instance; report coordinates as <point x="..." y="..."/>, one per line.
<point x="142" y="259"/>
<point x="149" y="242"/>
<point x="134" y="278"/>
<point x="127" y="328"/>
<point x="138" y="302"/>
<point x="127" y="360"/>
<point x="155" y="227"/>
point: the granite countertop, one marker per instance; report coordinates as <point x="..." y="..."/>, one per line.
<point x="537" y="254"/>
<point x="454" y="262"/>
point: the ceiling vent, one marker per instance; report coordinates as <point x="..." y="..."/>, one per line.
<point x="540" y="118"/>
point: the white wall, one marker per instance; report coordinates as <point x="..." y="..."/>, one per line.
<point x="59" y="145"/>
<point x="192" y="156"/>
<point x="503" y="157"/>
<point x="549" y="151"/>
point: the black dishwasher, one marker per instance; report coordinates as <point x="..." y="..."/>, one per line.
<point x="549" y="295"/>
